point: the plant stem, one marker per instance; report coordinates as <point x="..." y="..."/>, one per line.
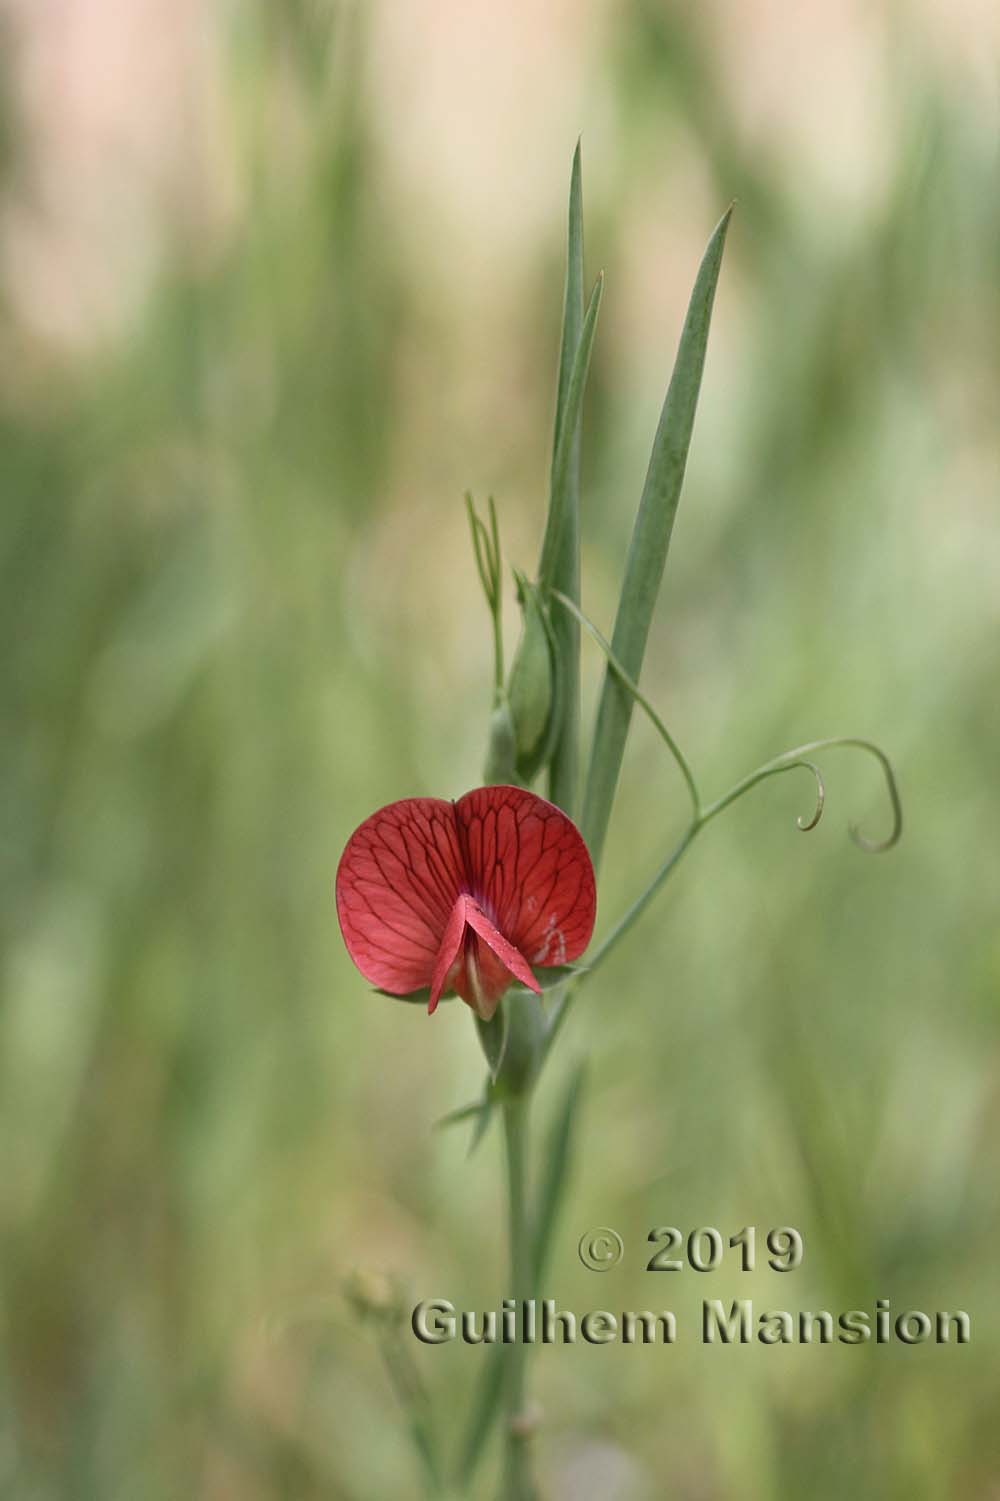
<point x="517" y="1484"/>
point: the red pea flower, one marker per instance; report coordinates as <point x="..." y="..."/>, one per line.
<point x="465" y="897"/>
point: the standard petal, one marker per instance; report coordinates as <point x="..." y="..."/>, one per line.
<point x="530" y="870"/>
<point x="397" y="884"/>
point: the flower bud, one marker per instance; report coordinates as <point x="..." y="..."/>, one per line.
<point x="374" y="1296"/>
<point x="530" y="689"/>
<point x="501" y="751"/>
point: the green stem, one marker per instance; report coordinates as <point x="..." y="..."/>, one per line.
<point x="517" y="1484"/>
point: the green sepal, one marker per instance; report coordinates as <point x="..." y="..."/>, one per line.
<point x="419" y="997"/>
<point x="520" y="1043"/>
<point x="551" y="976"/>
<point x="493" y="1037"/>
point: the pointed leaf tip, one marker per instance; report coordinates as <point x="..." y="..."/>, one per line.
<point x="650" y="543"/>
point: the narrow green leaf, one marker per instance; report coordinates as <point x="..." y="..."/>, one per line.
<point x="573" y="297"/>
<point x="481" y="1113"/>
<point x="555" y="524"/>
<point x="456" y="1117"/>
<point x="558" y="1161"/>
<point x="567" y="676"/>
<point x="649" y="546"/>
<point x="483" y="1120"/>
<point x="564" y="764"/>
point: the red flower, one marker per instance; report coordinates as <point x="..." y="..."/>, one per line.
<point x="465" y="896"/>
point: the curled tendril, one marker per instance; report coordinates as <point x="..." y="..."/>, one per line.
<point x="799" y="757"/>
<point x="879" y="846"/>
<point x="807" y="824"/>
<point x="792" y="759"/>
<point x="870" y="846"/>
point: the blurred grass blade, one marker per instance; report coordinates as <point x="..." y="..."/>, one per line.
<point x="564" y="764"/>
<point x="558" y="1160"/>
<point x="649" y="546"/>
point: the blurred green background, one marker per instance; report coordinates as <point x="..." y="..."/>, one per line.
<point x="278" y="283"/>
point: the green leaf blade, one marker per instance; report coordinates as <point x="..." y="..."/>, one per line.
<point x="555" y="524"/>
<point x="573" y="295"/>
<point x="649" y="546"/>
<point x="565" y="574"/>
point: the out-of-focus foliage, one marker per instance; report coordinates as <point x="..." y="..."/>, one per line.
<point x="238" y="613"/>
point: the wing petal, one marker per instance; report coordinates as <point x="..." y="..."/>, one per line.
<point x="509" y="956"/>
<point x="449" y="952"/>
